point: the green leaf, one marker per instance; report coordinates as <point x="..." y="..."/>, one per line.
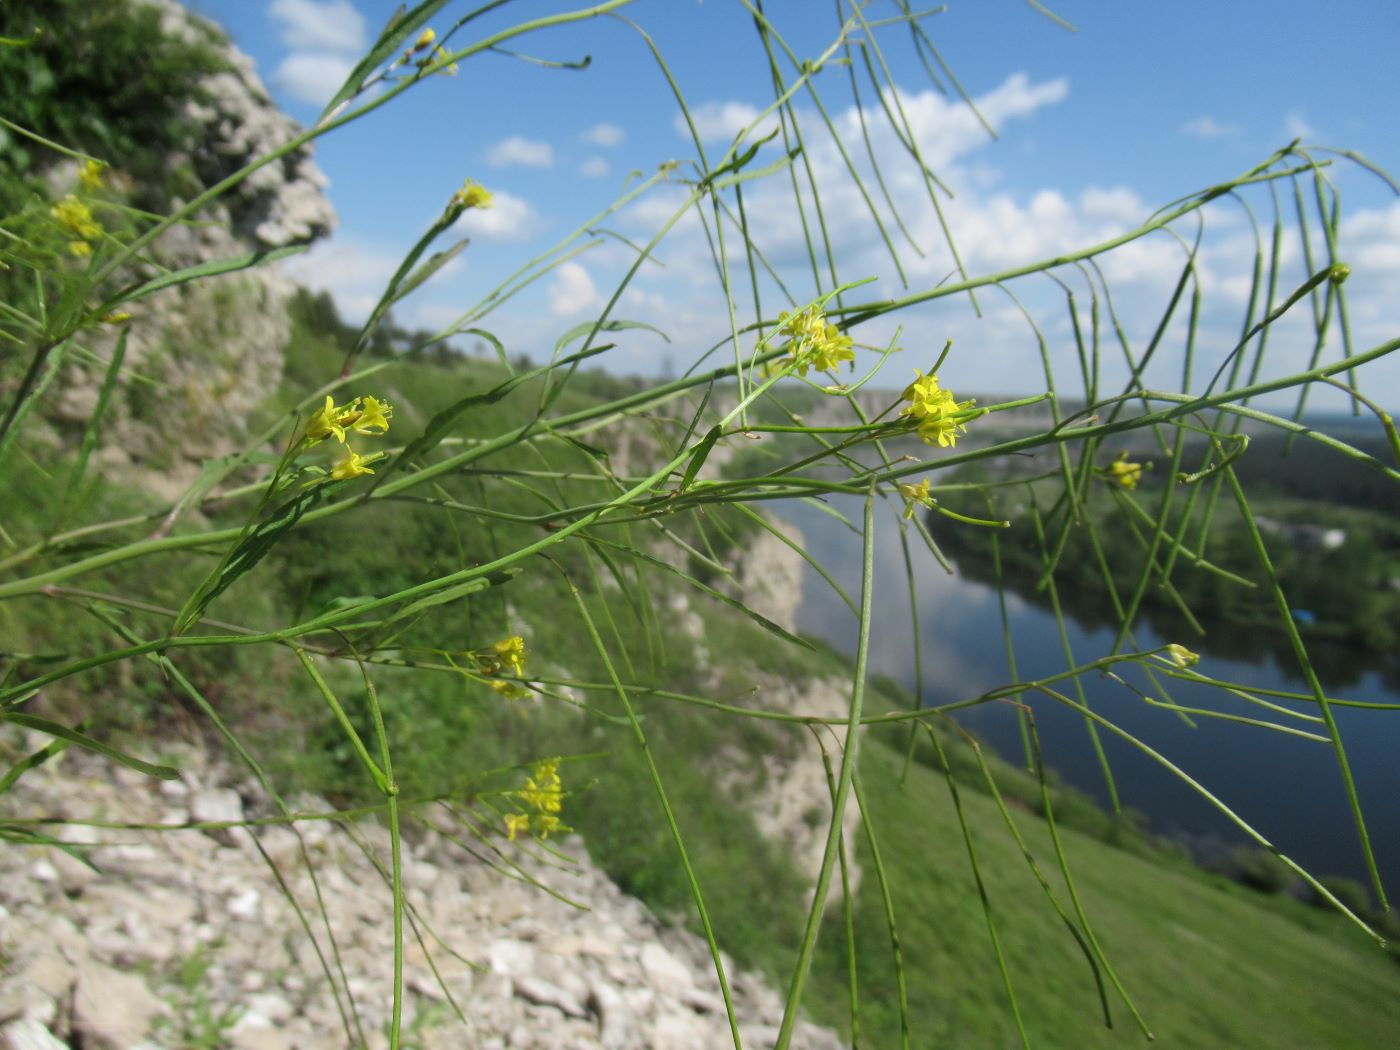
<point x="496" y="344"/>
<point x="195" y="273"/>
<point x="702" y="453"/>
<point x="395" y="34"/>
<point x="250" y="551"/>
<point x="451" y="594"/>
<point x="435" y="262"/>
<point x="62" y="732"/>
<point x="30" y="837"/>
<point x="38" y="758"/>
<point x="92" y="433"/>
<point x="607" y="326"/>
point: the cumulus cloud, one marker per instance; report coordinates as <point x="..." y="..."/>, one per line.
<point x="572" y="291"/>
<point x="604" y="135"/>
<point x="326" y="38"/>
<point x="510" y="219"/>
<point x="319" y="25"/>
<point x="1207" y="127"/>
<point x="722" y="120"/>
<point x="594" y="168"/>
<point x="947" y="129"/>
<point x="312" y="76"/>
<point x="518" y="151"/>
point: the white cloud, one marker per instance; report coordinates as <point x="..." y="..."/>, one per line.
<point x="947" y="129"/>
<point x="522" y="152"/>
<point x="325" y="38"/>
<point x="604" y="135"/>
<point x="572" y="291"/>
<point x="1297" y="127"/>
<point x="594" y="168"/>
<point x="1207" y="127"/>
<point x="510" y="219"/>
<point x="722" y="120"/>
<point x="320" y="25"/>
<point x="354" y="274"/>
<point x="312" y="76"/>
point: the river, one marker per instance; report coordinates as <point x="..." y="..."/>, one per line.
<point x="1288" y="788"/>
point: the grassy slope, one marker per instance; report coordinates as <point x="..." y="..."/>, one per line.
<point x="1207" y="966"/>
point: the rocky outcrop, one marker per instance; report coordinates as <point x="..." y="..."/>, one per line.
<point x="202" y="356"/>
<point x="787" y="789"/>
<point x="129" y="937"/>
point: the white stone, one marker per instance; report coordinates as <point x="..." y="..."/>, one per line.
<point x="43" y="871"/>
<point x="112" y="1010"/>
<point x="512" y="958"/>
<point x="216" y="806"/>
<point x="273" y="1007"/>
<point x="664" y="970"/>
<point x="256" y="1032"/>
<point x="542" y="993"/>
<point x="245" y="905"/>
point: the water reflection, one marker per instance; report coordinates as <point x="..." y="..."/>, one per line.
<point x="1287" y="787"/>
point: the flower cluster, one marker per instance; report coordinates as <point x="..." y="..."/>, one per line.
<point x="426" y="46"/>
<point x="90" y="174"/>
<point x="76" y="218"/>
<point x="511" y="652"/>
<point x="543" y="799"/>
<point x="936" y="410"/>
<point x="472" y="195"/>
<point x="1123" y="473"/>
<point x="366" y="415"/>
<point x="812" y="342"/>
<point x="914" y="496"/>
<point x="506" y="655"/>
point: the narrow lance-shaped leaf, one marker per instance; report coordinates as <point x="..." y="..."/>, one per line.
<point x="195" y="273"/>
<point x="73" y="736"/>
<point x="396" y="32"/>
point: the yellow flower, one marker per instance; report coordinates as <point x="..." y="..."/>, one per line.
<point x="925" y="396"/>
<point x="438" y="55"/>
<point x="516" y="823"/>
<point x="936" y="410"/>
<point x="1121" y="472"/>
<point x="508" y="689"/>
<point x="80" y="248"/>
<point x="812" y="342"/>
<point x="543" y="791"/>
<point x="90" y="174"/>
<point x="544" y="824"/>
<point x="425" y="40"/>
<point x="1181" y="656"/>
<point x="371" y="420"/>
<point x="942" y="430"/>
<point x="326" y="421"/>
<point x="472" y="195"/>
<point x="915" y="495"/>
<point x="77" y="219"/>
<point x="353" y="466"/>
<point x="512" y="653"/>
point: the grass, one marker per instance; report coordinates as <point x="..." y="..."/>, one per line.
<point x="1207" y="966"/>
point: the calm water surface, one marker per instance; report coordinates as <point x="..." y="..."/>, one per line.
<point x="1287" y="787"/>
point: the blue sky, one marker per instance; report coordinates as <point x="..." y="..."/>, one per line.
<point x="1145" y="103"/>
